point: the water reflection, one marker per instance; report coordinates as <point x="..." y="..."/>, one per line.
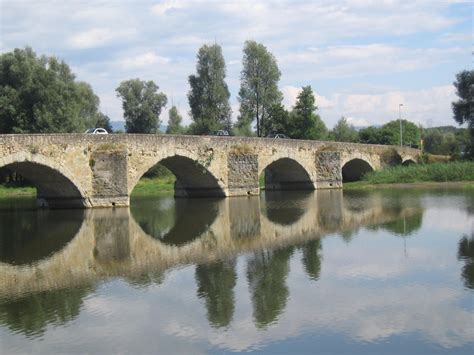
<point x="267" y="271"/>
<point x="28" y="235"/>
<point x="159" y="234"/>
<point x="466" y="254"/>
<point x="175" y="221"/>
<point x="31" y="314"/>
<point x="216" y="284"/>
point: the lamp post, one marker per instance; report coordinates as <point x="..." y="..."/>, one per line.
<point x="400" y="118"/>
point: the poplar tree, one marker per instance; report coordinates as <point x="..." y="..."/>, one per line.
<point x="174" y="122"/>
<point x="209" y="94"/>
<point x="258" y="87"/>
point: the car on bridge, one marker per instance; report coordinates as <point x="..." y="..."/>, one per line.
<point x="221" y="132"/>
<point x="277" y="135"/>
<point x="96" y="131"/>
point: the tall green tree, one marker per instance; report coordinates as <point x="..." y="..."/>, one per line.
<point x="41" y="94"/>
<point x="278" y="120"/>
<point x="209" y="94"/>
<point x="174" y="121"/>
<point x="305" y="123"/>
<point x="142" y="105"/>
<point x="463" y="109"/>
<point x="344" y="132"/>
<point x="258" y="86"/>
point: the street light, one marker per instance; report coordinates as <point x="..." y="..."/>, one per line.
<point x="400" y="118"/>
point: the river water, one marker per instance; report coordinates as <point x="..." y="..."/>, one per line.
<point x="328" y="272"/>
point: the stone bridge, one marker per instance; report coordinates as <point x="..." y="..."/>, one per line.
<point x="79" y="170"/>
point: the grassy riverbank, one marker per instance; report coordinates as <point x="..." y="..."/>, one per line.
<point x="8" y="191"/>
<point x="459" y="174"/>
<point x="153" y="186"/>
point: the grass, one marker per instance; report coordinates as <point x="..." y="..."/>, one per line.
<point x="9" y="191"/>
<point x="153" y="186"/>
<point x="419" y="174"/>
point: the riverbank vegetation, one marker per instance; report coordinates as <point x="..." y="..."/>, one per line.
<point x="419" y="173"/>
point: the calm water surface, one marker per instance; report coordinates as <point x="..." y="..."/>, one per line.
<point x="327" y="272"/>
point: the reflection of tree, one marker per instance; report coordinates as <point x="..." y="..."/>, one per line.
<point x="33" y="313"/>
<point x="27" y="236"/>
<point x="404" y="226"/>
<point x="466" y="253"/>
<point x="215" y="284"/>
<point x="312" y="258"/>
<point x="175" y="221"/>
<point x="266" y="275"/>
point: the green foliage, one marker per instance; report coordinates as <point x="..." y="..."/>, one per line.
<point x="209" y="94"/>
<point x="450" y="141"/>
<point x="158" y="171"/>
<point x="174" y="122"/>
<point x="258" y="87"/>
<point x="142" y="105"/>
<point x="344" y="132"/>
<point x="304" y="122"/>
<point x="41" y="95"/>
<point x="389" y="134"/>
<point x="455" y="171"/>
<point x="278" y="120"/>
<point x="103" y="121"/>
<point x="463" y="108"/>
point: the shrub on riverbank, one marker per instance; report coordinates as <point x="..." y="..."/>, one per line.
<point x="437" y="172"/>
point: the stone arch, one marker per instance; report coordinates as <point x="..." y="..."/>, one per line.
<point x="55" y="184"/>
<point x="354" y="169"/>
<point x="285" y="173"/>
<point x="408" y="161"/>
<point x="193" y="179"/>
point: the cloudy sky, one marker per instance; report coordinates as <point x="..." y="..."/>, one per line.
<point x="362" y="57"/>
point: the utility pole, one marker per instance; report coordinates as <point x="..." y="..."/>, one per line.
<point x="400" y="118"/>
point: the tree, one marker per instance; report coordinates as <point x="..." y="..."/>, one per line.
<point x="142" y="105"/>
<point x="278" y="120"/>
<point x="304" y="122"/>
<point x="103" y="121"/>
<point x="41" y="95"/>
<point x="391" y="133"/>
<point x="209" y="94"/>
<point x="258" y="86"/>
<point x="463" y="109"/>
<point x="344" y="132"/>
<point x="174" y="122"/>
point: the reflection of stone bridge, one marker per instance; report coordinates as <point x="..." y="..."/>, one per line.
<point x="112" y="243"/>
<point x="77" y="170"/>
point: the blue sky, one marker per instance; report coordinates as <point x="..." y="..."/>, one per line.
<point x="362" y="57"/>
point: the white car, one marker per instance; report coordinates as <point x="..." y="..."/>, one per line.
<point x="96" y="131"/>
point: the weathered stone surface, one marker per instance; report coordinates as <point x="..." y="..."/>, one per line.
<point x="242" y="174"/>
<point x="80" y="170"/>
<point x="328" y="165"/>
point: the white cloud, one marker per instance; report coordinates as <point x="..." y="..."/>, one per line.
<point x="143" y="60"/>
<point x="98" y="37"/>
<point x="163" y="7"/>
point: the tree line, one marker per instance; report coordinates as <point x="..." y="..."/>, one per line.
<point x="40" y="94"/>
